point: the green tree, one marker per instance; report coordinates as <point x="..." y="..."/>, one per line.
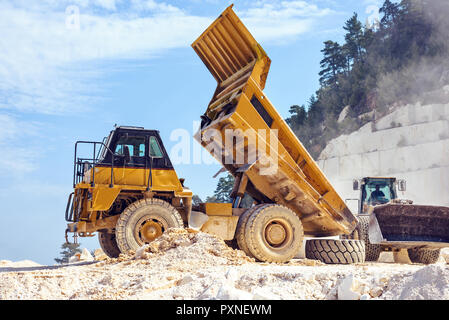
<point x="298" y="116"/>
<point x="68" y="250"/>
<point x="354" y="38"/>
<point x="390" y="13"/>
<point x="333" y="63"/>
<point x="223" y="192"/>
<point x="196" y="200"/>
<point x="224" y="188"/>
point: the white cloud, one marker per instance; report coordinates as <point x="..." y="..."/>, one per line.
<point x="272" y="20"/>
<point x="106" y="4"/>
<point x="45" y="66"/>
<point x="49" y="68"/>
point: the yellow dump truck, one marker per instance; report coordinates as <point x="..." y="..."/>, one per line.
<point x="130" y="194"/>
<point x="293" y="195"/>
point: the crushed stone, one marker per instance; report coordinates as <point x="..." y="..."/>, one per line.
<point x="186" y="264"/>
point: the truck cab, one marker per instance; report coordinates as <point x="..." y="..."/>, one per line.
<point x="129" y="169"/>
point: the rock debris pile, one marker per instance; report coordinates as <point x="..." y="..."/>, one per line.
<point x="185" y="264"/>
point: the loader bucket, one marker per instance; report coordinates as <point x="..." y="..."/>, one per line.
<point x="262" y="138"/>
<point x="413" y="223"/>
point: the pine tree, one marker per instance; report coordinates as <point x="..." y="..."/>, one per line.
<point x="332" y="64"/>
<point x="196" y="200"/>
<point x="354" y="38"/>
<point x="69" y="249"/>
<point x="224" y="188"/>
<point x="222" y="193"/>
<point x="298" y="116"/>
<point x="390" y="13"/>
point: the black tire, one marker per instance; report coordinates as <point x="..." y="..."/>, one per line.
<point x="240" y="230"/>
<point x="153" y="215"/>
<point x="372" y="251"/>
<point x="108" y="244"/>
<point x="425" y="256"/>
<point x="273" y="233"/>
<point x="332" y="251"/>
<point x="232" y="244"/>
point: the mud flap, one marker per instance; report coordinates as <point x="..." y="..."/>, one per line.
<point x="374" y="232"/>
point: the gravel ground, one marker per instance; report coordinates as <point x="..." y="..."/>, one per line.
<point x="189" y="265"/>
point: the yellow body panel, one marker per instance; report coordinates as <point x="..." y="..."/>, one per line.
<point x="130" y="179"/>
<point x="163" y="179"/>
<point x="221" y="226"/>
<point x="240" y="66"/>
<point x="216" y="209"/>
<point x="103" y="197"/>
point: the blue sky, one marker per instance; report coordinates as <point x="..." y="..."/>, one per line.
<point x="70" y="70"/>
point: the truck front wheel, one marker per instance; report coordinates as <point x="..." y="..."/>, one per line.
<point x="108" y="244"/>
<point x="143" y="221"/>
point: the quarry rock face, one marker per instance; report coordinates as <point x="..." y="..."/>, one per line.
<point x="410" y="143"/>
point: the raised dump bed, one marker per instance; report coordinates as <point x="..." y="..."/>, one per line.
<point x="285" y="174"/>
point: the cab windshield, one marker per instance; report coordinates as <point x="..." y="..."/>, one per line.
<point x="378" y="192"/>
<point x="135" y="145"/>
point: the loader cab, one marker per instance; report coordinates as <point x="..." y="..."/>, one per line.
<point x="375" y="191"/>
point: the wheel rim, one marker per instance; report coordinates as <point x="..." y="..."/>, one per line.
<point x="278" y="234"/>
<point x="149" y="228"/>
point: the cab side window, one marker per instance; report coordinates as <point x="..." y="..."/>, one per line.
<point x="155" y="149"/>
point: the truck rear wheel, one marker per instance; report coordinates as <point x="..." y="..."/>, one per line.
<point x="240" y="230"/>
<point x="425" y="256"/>
<point x="108" y="244"/>
<point x="143" y="221"/>
<point x="336" y="251"/>
<point x="372" y="251"/>
<point x="273" y="233"/>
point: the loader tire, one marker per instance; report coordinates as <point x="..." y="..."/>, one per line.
<point x="108" y="244"/>
<point x="372" y="251"/>
<point x="240" y="230"/>
<point x="330" y="251"/>
<point x="425" y="256"/>
<point x="143" y="221"/>
<point x="273" y="233"/>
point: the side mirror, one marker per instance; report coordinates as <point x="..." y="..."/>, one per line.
<point x="402" y="185"/>
<point x="355" y="184"/>
<point x="127" y="154"/>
